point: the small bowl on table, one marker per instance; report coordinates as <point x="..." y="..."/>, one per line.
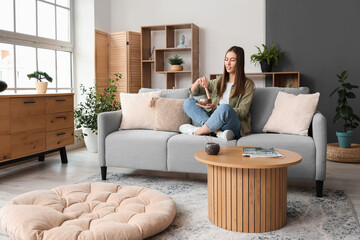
<point x="212" y="148"/>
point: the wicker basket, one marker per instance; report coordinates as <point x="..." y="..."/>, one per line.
<point x="349" y="155"/>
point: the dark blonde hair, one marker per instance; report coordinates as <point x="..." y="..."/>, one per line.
<point x="240" y="79"/>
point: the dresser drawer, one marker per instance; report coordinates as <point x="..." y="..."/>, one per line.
<point x="5" y="151"/>
<point x="59" y="104"/>
<point x="59" y="138"/>
<point x="27" y="143"/>
<point x="27" y="114"/>
<point x="4" y="116"/>
<point x="57" y="121"/>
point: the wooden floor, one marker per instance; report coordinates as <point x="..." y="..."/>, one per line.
<point x="33" y="175"/>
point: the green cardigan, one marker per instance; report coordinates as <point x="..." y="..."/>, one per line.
<point x="241" y="104"/>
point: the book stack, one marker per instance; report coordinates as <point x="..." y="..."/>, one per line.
<point x="260" y="152"/>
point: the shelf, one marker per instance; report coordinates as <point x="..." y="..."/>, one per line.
<point x="164" y="72"/>
<point x="279" y="79"/>
<point x="161" y="54"/>
<point x="173" y="49"/>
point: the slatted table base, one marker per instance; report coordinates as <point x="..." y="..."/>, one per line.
<point x="247" y="200"/>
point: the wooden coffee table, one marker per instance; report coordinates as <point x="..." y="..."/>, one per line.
<point x="247" y="194"/>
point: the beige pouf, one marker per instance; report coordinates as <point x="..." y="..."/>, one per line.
<point x="88" y="211"/>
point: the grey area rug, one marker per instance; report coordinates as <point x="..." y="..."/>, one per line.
<point x="308" y="217"/>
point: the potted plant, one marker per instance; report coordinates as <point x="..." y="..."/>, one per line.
<point x="267" y="57"/>
<point x="87" y="112"/>
<point x="175" y="63"/>
<point x="344" y="111"/>
<point x="41" y="86"/>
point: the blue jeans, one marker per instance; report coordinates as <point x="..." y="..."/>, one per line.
<point x="223" y="118"/>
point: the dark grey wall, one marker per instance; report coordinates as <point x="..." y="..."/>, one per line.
<point x="320" y="39"/>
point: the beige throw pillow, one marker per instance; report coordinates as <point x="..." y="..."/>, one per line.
<point x="292" y="114"/>
<point x="136" y="113"/>
<point x="169" y="114"/>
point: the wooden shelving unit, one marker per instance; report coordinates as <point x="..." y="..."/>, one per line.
<point x="279" y="79"/>
<point x="159" y="60"/>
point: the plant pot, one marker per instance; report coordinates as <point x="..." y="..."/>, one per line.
<point x="265" y="67"/>
<point x="91" y="140"/>
<point x="3" y="86"/>
<point x="41" y="87"/>
<point x="345" y="138"/>
<point x="176" y="68"/>
<point x="212" y="148"/>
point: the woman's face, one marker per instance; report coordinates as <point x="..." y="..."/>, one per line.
<point x="230" y="62"/>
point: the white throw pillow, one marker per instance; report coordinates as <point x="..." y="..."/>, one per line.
<point x="136" y="112"/>
<point x="292" y="114"/>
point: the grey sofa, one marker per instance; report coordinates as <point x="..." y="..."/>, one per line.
<point x="171" y="151"/>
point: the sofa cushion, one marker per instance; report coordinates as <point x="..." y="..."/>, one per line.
<point x="137" y="114"/>
<point x="137" y="149"/>
<point x="292" y="114"/>
<point x="169" y="114"/>
<point x="303" y="145"/>
<point x="182" y="149"/>
<point x="181" y="93"/>
<point x="263" y="104"/>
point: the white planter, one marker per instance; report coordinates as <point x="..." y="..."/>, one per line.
<point x="41" y="87"/>
<point x="91" y="140"/>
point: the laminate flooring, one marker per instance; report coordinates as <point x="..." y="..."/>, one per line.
<point x="31" y="175"/>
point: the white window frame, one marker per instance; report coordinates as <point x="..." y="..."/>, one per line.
<point x="15" y="38"/>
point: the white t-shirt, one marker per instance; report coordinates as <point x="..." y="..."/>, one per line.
<point x="225" y="97"/>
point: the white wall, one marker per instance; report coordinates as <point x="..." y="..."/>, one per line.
<point x="84" y="42"/>
<point x="222" y="24"/>
<point x="102" y="15"/>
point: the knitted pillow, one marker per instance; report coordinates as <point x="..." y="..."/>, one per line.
<point x="169" y="114"/>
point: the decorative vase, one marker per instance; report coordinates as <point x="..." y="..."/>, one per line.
<point x="345" y="138"/>
<point x="212" y="148"/>
<point x="3" y="86"/>
<point x="265" y="67"/>
<point x="176" y="68"/>
<point x="41" y="87"/>
<point x="91" y="140"/>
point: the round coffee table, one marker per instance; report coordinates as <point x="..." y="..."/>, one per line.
<point x="247" y="194"/>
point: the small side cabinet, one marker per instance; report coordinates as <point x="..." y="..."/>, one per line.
<point x="35" y="124"/>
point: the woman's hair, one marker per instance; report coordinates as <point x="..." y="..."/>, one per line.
<point x="240" y="79"/>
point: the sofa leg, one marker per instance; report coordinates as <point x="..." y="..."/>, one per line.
<point x="319" y="188"/>
<point x="103" y="173"/>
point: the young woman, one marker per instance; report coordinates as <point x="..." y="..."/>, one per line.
<point x="228" y="115"/>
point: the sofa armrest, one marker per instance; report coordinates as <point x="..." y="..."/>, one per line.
<point x="108" y="122"/>
<point x="319" y="132"/>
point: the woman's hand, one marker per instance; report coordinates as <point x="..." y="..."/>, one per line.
<point x="203" y="82"/>
<point x="208" y="106"/>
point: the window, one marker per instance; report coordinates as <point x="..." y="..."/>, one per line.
<point x="36" y="35"/>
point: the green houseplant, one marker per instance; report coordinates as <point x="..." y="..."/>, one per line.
<point x="344" y="111"/>
<point x="267" y="57"/>
<point x="41" y="86"/>
<point x="95" y="103"/>
<point x="175" y="63"/>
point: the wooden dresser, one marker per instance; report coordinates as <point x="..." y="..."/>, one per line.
<point x="35" y="124"/>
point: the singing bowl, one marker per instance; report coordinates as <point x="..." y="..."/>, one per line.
<point x="205" y="101"/>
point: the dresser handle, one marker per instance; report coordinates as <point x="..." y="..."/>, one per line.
<point x="30" y="102"/>
<point x="60" y="100"/>
<point x="60" y="134"/>
<point x="61" y="117"/>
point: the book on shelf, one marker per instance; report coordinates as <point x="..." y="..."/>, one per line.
<point x="260" y="152"/>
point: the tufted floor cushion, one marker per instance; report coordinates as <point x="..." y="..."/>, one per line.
<point x="88" y="211"/>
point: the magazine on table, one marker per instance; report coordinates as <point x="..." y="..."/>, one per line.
<point x="260" y="152"/>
